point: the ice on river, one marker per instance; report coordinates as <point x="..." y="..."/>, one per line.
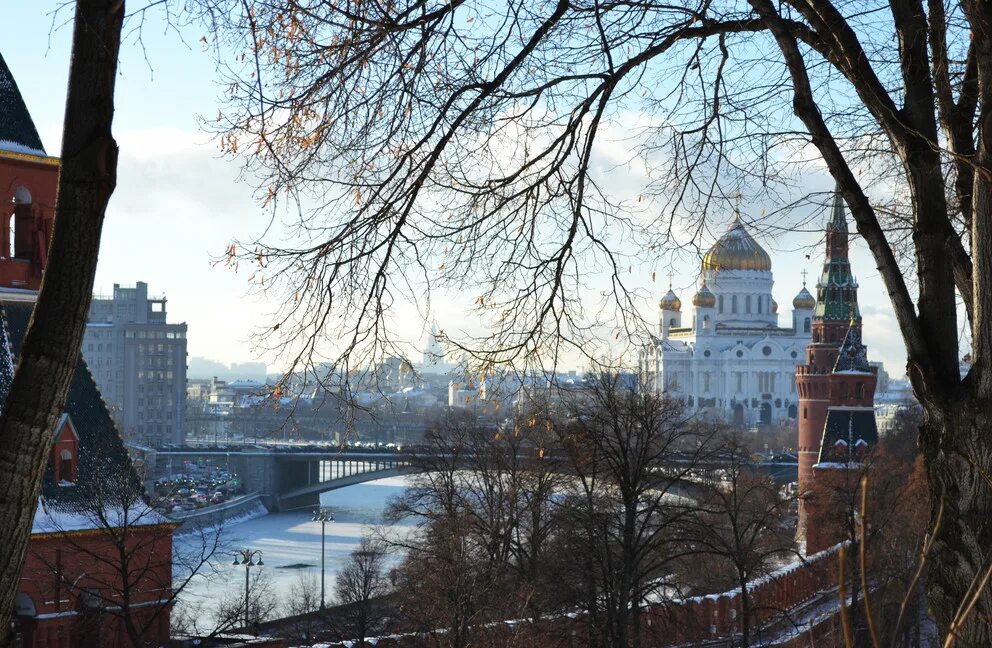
<point x="292" y="539"/>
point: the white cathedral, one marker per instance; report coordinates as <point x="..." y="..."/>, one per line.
<point x="731" y="359"/>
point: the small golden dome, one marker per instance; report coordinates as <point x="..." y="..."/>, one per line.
<point x="804" y="300"/>
<point x="736" y="250"/>
<point x="774" y="306"/>
<point x="670" y="302"/>
<point x="704" y="298"/>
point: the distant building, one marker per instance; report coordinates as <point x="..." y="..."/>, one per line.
<point x="139" y="362"/>
<point x="731" y="360"/>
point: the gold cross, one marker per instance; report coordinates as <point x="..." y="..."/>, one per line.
<point x="670" y="275"/>
<point x="804" y="277"/>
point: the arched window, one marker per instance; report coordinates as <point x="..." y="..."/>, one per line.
<point x="747" y="304"/>
<point x="806" y="326"/>
<point x="19" y="228"/>
<point x="706" y="322"/>
<point x="804" y="413"/>
<point x="859" y="390"/>
<point x="66" y="468"/>
<point x="733" y="304"/>
<point x="671" y="323"/>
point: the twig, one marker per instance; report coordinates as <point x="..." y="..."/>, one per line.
<point x="927" y="546"/>
<point x="862" y="553"/>
<point x="842" y="592"/>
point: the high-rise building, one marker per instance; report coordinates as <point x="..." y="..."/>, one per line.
<point x="837" y="426"/>
<point x="139" y="361"/>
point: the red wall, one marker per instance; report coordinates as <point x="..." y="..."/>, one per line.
<point x="40" y="177"/>
<point x="88" y="561"/>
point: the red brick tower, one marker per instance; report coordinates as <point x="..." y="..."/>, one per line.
<point x="28" y="183"/>
<point x="835" y="316"/>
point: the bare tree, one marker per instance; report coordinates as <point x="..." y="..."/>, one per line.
<point x="50" y="352"/>
<point x="635" y="455"/>
<point x="744" y="523"/>
<point x="381" y="113"/>
<point x="132" y="572"/>
<point x="301" y="604"/>
<point x="360" y="586"/>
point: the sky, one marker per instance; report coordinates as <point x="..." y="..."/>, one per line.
<point x="179" y="203"/>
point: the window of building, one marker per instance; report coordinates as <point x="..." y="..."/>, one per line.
<point x="844" y="391"/>
<point x="804" y="413"/>
<point x="720" y="303"/>
<point x="747" y="304"/>
<point x="806" y="326"/>
<point x="859" y="390"/>
<point x="733" y="303"/>
<point x="67" y="468"/>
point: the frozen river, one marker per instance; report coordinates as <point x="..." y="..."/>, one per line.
<point x="289" y="540"/>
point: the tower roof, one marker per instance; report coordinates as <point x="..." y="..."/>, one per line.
<point x="704" y="298"/>
<point x="804" y="300"/>
<point x="103" y="459"/>
<point x="838" y="217"/>
<point x="17" y="131"/>
<point x="737" y="250"/>
<point x="670" y="301"/>
<point x="853" y="356"/>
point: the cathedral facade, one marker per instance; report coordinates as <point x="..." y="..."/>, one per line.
<point x="728" y="357"/>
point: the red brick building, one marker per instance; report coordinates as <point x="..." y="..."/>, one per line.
<point x="836" y="389"/>
<point x="99" y="565"/>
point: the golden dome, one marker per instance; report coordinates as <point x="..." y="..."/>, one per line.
<point x="804" y="300"/>
<point x="704" y="298"/>
<point x="736" y="250"/>
<point x="670" y="302"/>
<point x="774" y="306"/>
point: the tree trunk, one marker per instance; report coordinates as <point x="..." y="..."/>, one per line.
<point x="50" y="351"/>
<point x="959" y="470"/>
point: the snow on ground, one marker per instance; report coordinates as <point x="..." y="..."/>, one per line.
<point x="288" y="539"/>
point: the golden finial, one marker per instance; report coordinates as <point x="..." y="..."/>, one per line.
<point x="670" y="275"/>
<point x="804" y="273"/>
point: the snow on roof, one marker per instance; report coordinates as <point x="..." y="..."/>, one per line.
<point x="49" y="520"/>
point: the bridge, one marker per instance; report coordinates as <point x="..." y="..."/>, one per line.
<point x="287" y="478"/>
<point x="292" y="476"/>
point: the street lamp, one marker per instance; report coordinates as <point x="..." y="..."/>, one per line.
<point x="322" y="515"/>
<point x="247" y="558"/>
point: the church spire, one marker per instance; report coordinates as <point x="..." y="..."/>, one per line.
<point x="838" y="219"/>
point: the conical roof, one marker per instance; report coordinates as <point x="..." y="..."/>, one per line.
<point x="17" y="131"/>
<point x="737" y="250"/>
<point x="838" y="217"/>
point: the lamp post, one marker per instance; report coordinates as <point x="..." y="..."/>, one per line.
<point x="322" y="515"/>
<point x="247" y="558"/>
